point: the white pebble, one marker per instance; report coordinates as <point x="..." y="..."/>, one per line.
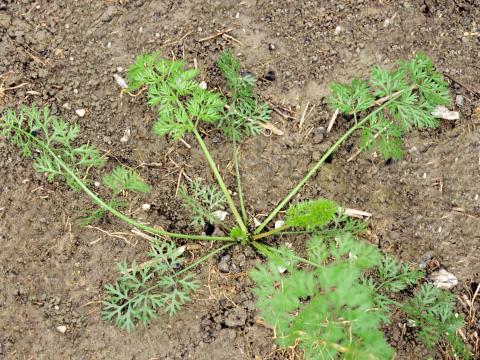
<point x="203" y="85"/>
<point x="120" y="81"/>
<point x="442" y="279"/>
<point x="279" y="224"/>
<point x="476" y="197"/>
<point x="256" y="222"/>
<point x="424" y="175"/>
<point x="146" y="207"/>
<point x="126" y="136"/>
<point x="109" y="44"/>
<point x="80" y="112"/>
<point x="62" y="329"/>
<point x="97" y="183"/>
<point x="220" y="214"/>
<point x="338" y="30"/>
<point x="441" y="112"/>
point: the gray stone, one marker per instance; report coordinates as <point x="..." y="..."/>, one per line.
<point x="459" y="100"/>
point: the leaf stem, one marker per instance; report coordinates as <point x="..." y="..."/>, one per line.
<point x="239" y="181"/>
<point x="320" y="162"/>
<point x="270" y="233"/>
<point x="221" y="183"/>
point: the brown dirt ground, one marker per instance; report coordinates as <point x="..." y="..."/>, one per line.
<point x="63" y="54"/>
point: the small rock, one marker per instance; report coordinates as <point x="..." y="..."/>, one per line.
<point x="80" y="112"/>
<point x="202" y="85"/>
<point x="220" y="214"/>
<point x="279" y="224"/>
<point x="62" y="329"/>
<point x="338" y="30"/>
<point x="442" y="279"/>
<point x="256" y="222"/>
<point x="236" y="318"/>
<point x="441" y="112"/>
<point x="459" y="100"/>
<point x="425" y="259"/>
<point x="126" y="136"/>
<point x="271" y="47"/>
<point x="67" y="106"/>
<point x="146" y="207"/>
<point x="318" y="135"/>
<point x="223" y="264"/>
<point x="120" y="81"/>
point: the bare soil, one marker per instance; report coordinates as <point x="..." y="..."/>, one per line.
<point x="64" y="53"/>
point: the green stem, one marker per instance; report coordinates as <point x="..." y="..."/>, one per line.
<point x="219" y="179"/>
<point x="112" y="210"/>
<point x="270" y="233"/>
<point x="239" y="182"/>
<point x="320" y="162"/>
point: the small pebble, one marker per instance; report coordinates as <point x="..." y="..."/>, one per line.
<point x="271" y="47"/>
<point x="223" y="264"/>
<point x="80" y="112"/>
<point x="120" y="81"/>
<point x="441" y="112"/>
<point x="126" y="136"/>
<point x="203" y="85"/>
<point x="146" y="207"/>
<point x="220" y="214"/>
<point x="279" y="224"/>
<point x="338" y="30"/>
<point x="459" y="100"/>
<point x="442" y="279"/>
<point x="62" y="329"/>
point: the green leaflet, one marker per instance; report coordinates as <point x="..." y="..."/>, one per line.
<point x="246" y="114"/>
<point x="143" y="289"/>
<point x="202" y="201"/>
<point x="418" y="88"/>
<point x="31" y="129"/>
<point x="323" y="306"/>
<point x="311" y="214"/>
<point x="125" y="179"/>
<point x="176" y="94"/>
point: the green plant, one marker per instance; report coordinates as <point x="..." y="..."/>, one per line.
<point x="432" y="312"/>
<point x="332" y="284"/>
<point x="141" y="289"/>
<point x="319" y="303"/>
<point x="203" y="202"/>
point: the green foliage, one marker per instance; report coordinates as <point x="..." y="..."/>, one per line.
<point x="351" y="98"/>
<point x="173" y="89"/>
<point x="38" y="131"/>
<point x="143" y="289"/>
<point x="246" y="114"/>
<point x="390" y="278"/>
<point x="320" y="303"/>
<point x="202" y="201"/>
<point x="395" y="277"/>
<point x="311" y="214"/>
<point x="412" y="91"/>
<point x="432" y="312"/>
<point x="122" y="179"/>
